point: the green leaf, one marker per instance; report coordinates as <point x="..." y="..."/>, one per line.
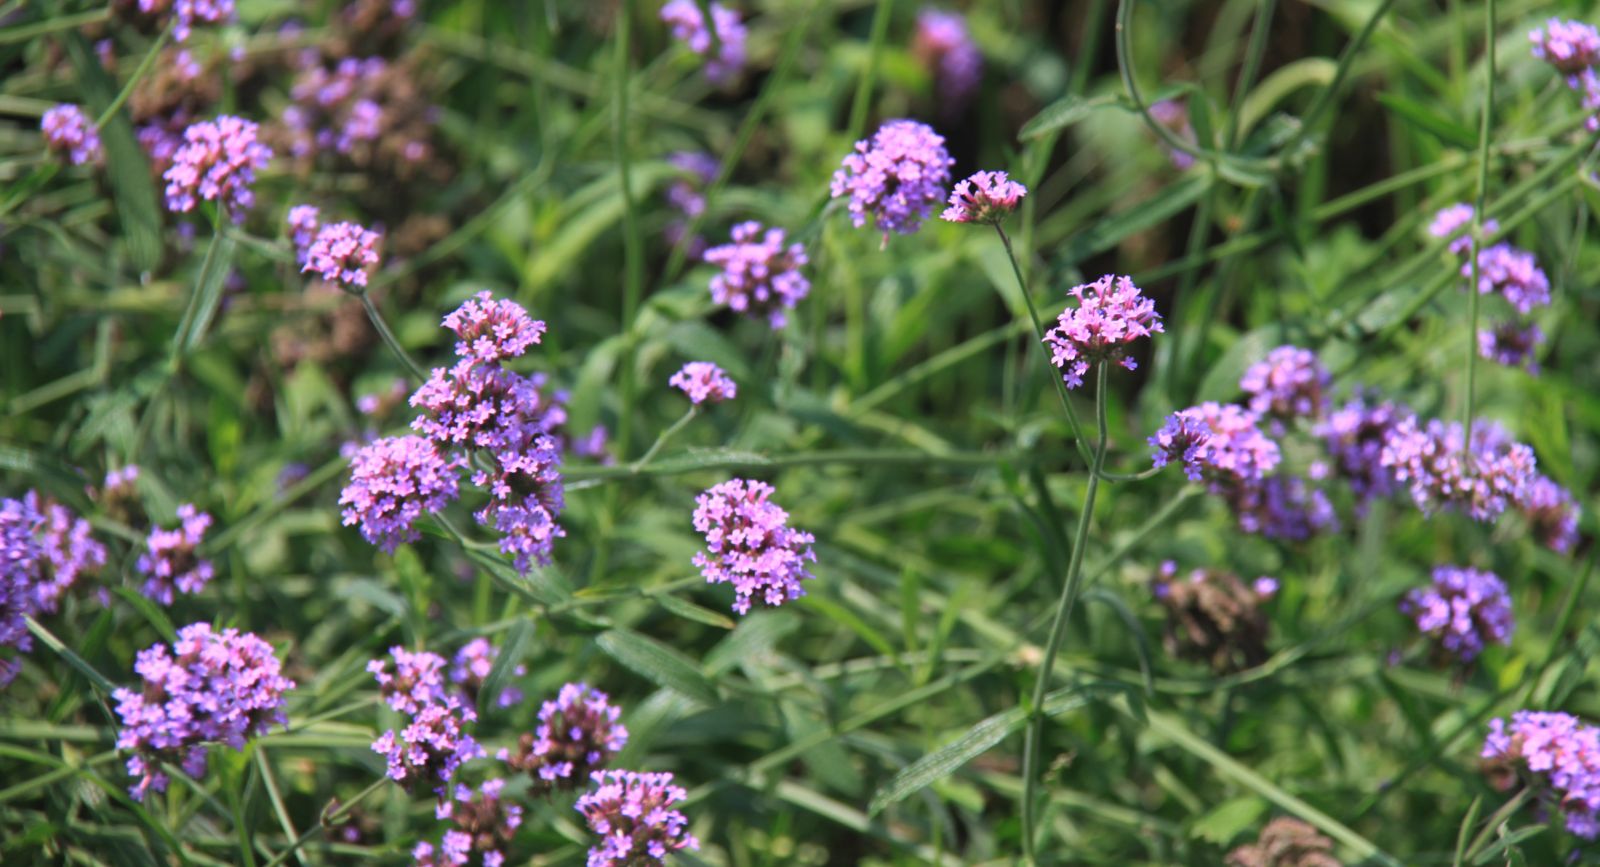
<point x="1428" y="120"/>
<point x="1286" y="79"/>
<point x="207" y="294"/>
<point x="756" y="635"/>
<point x="505" y="665"/>
<point x="1222" y="381"/>
<point x="1228" y="819"/>
<point x="690" y="611"/>
<point x="127" y="170"/>
<point x="149" y="611"/>
<point x="658" y="663"/>
<point x="1065" y="112"/>
<point x="1108" y="232"/>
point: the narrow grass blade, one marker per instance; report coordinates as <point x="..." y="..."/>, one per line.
<point x="657" y="663"/>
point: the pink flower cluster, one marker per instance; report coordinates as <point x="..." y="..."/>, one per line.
<point x="393" y="482"/>
<point x="1573" y="49"/>
<point x="416" y="682"/>
<point x="342" y="253"/>
<point x="632" y="814"/>
<point x="750" y="544"/>
<point x="1443" y="471"/>
<point x="216" y="162"/>
<point x="760" y="274"/>
<point x="171" y="559"/>
<point x="431" y="748"/>
<point x="896" y="177"/>
<point x="1455" y="223"/>
<point x="1558" y="754"/>
<point x="1111" y="314"/>
<point x="471" y="667"/>
<point x="71" y="133"/>
<point x="703" y="381"/>
<point x="578" y="733"/>
<point x="689" y="27"/>
<point x="986" y="197"/>
<point x="1291" y="383"/>
<point x="943" y="42"/>
<point x="1462" y="611"/>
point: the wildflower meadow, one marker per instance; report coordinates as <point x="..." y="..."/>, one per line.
<point x="799" y="432"/>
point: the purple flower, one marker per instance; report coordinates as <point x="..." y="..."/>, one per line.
<point x="578" y="734"/>
<point x="1221" y="443"/>
<point x="170" y="559"/>
<point x="703" y="381"/>
<point x="192" y="12"/>
<point x="304" y="221"/>
<point x="686" y="195"/>
<point x="343" y="253"/>
<point x="69" y="551"/>
<point x="1354" y="436"/>
<point x="1462" y="611"/>
<point x="1291" y="383"/>
<point x="1569" y="46"/>
<point x="22" y="558"/>
<point x="760" y="275"/>
<point x="1281" y="507"/>
<point x="1175" y="116"/>
<point x="213" y="686"/>
<point x="1183" y="437"/>
<point x="416" y="682"/>
<point x="492" y="330"/>
<point x="1455" y="222"/>
<point x="689" y="27"/>
<point x="217" y="162"/>
<point x="526" y="495"/>
<point x="1266" y="586"/>
<point x="71" y="133"/>
<point x="431" y="748"/>
<point x="1552" y="514"/>
<point x="485" y="823"/>
<point x="481" y="406"/>
<point x="986" y="197"/>
<point x="471" y="667"/>
<point x="898" y="177"/>
<point x="1561" y="755"/>
<point x="393" y="481"/>
<point x="1434" y="462"/>
<point x="943" y="42"/>
<point x="1512" y="344"/>
<point x="1108" y="319"/>
<point x="629" y="811"/>
<point x="750" y="545"/>
<point x="1513" y="273"/>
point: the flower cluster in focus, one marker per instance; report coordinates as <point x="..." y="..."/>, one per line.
<point x="896" y="177"/>
<point x="1111" y="314"/>
<point x="750" y="544"/>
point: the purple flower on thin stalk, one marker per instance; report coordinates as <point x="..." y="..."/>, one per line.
<point x="760" y="274"/>
<point x="1513" y="273"/>
<point x="1434" y="462"/>
<point x="1220" y="443"/>
<point x="630" y="811"/>
<point x="686" y="195"/>
<point x="471" y="668"/>
<point x="689" y="27"/>
<point x="943" y="42"/>
<point x="897" y="177"/>
<point x="431" y="748"/>
<point x="1552" y="514"/>
<point x="342" y="253"/>
<point x="217" y="162"/>
<point x="1512" y="344"/>
<point x="69" y="551"/>
<point x="1354" y="436"/>
<point x="1183" y="437"/>
<point x="703" y="381"/>
<point x="1569" y="46"/>
<point x="70" y="133"/>
<point x="393" y="481"/>
<point x="171" y="561"/>
<point x="212" y="687"/>
<point x="1455" y="222"/>
<point x="1462" y="611"/>
<point x="750" y="544"/>
<point x="1111" y="314"/>
<point x="1175" y="116"/>
<point x="485" y="823"/>
<point x="492" y="330"/>
<point x="986" y="197"/>
<point x="1291" y="383"/>
<point x="416" y="682"/>
<point x="1559" y="755"/>
<point x="579" y="732"/>
<point x="304" y="221"/>
<point x="526" y="495"/>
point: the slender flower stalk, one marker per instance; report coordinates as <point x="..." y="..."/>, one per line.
<point x="669" y="433"/>
<point x="1473" y="292"/>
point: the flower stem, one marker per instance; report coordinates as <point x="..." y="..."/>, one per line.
<point x="328" y="818"/>
<point x="1058" y="628"/>
<point x="388" y="337"/>
<point x="1486" y="117"/>
<point x="661" y="440"/>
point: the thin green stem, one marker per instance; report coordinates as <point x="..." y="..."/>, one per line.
<point x="1260" y="29"/>
<point x="669" y="433"/>
<point x="632" y="240"/>
<point x="1033" y="745"/>
<point x="139" y="73"/>
<point x="328" y="818"/>
<point x="31" y="32"/>
<point x="389" y="339"/>
<point x="863" y="96"/>
<point x="1486" y="117"/>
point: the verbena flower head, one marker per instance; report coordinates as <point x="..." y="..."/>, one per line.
<point x="68" y="550"/>
<point x="416" y="682"/>
<point x="362" y="112"/>
<point x="431" y="748"/>
<point x="482" y="406"/>
<point x="698" y="170"/>
<point x="579" y="732"/>
<point x="1221" y="443"/>
<point x="1552" y="514"/>
<point x="393" y="481"/>
<point x="1111" y="314"/>
<point x="689" y="27"/>
<point x="703" y="381"/>
<point x="1463" y="611"/>
<point x="1569" y="46"/>
<point x="1212" y="618"/>
<point x="750" y="545"/>
<point x="1286" y="842"/>
<point x="211" y="687"/>
<point x="1513" y="273"/>
<point x="304" y="221"/>
<point x="1281" y="507"/>
<point x="986" y="197"/>
<point x="342" y="253"/>
<point x="1441" y="472"/>
<point x="1354" y="436"/>
<point x="631" y="813"/>
<point x="217" y="162"/>
<point x="897" y="177"/>
<point x="471" y="667"/>
<point x="1560" y="756"/>
<point x="492" y="330"/>
<point x="1183" y="437"/>
<point x="1512" y="344"/>
<point x="21" y="559"/>
<point x="943" y="41"/>
<point x="1455" y="222"/>
<point x="1291" y="383"/>
<point x="171" y="561"/>
<point x="455" y="850"/>
<point x="485" y="824"/>
<point x="525" y="496"/>
<point x="69" y="132"/>
<point x="118" y="497"/>
<point x="760" y="274"/>
<point x="1174" y="116"/>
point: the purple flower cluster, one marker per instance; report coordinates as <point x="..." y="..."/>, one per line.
<point x="1291" y="383"/>
<point x="342" y="253"/>
<point x="1441" y="471"/>
<point x="1282" y="507"/>
<point x="1569" y="46"/>
<point x="631" y="813"/>
<point x="689" y="27"/>
<point x="943" y="42"/>
<point x="986" y="197"/>
<point x="393" y="481"/>
<point x="578" y="733"/>
<point x="185" y="14"/>
<point x="686" y="195"/>
<point x="1513" y="273"/>
<point x="898" y="177"/>
<point x="359" y="108"/>
<point x="1455" y="222"/>
<point x="68" y="549"/>
<point x="485" y="823"/>
<point x="21" y="556"/>
<point x="171" y="561"/>
<point x="1221" y="443"/>
<point x="1354" y="436"/>
<point x="217" y="162"/>
<point x="1512" y="344"/>
<point x="213" y="686"/>
<point x="1462" y="611"/>
<point x="703" y="381"/>
<point x="471" y="667"/>
<point x="1557" y="754"/>
<point x="1552" y="514"/>
<point x="431" y="748"/>
<point x="491" y="330"/>
<point x="304" y="221"/>
<point x="1175" y="116"/>
<point x="71" y="133"/>
<point x="760" y="274"/>
<point x="1111" y="314"/>
<point x="416" y="682"/>
<point x="750" y="545"/>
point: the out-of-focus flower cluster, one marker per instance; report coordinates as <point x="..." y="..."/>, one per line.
<point x="725" y="52"/>
<point x="1556" y="755"/>
<point x="71" y="134"/>
<point x="1286" y="842"/>
<point x="897" y="177"/>
<point x="1462" y="611"/>
<point x="632" y="814"/>
<point x="1213" y="617"/>
<point x="44" y="549"/>
<point x="171" y="560"/>
<point x="1572" y="48"/>
<point x="1502" y="270"/>
<point x="760" y="273"/>
<point x="943" y="43"/>
<point x="217" y="162"/>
